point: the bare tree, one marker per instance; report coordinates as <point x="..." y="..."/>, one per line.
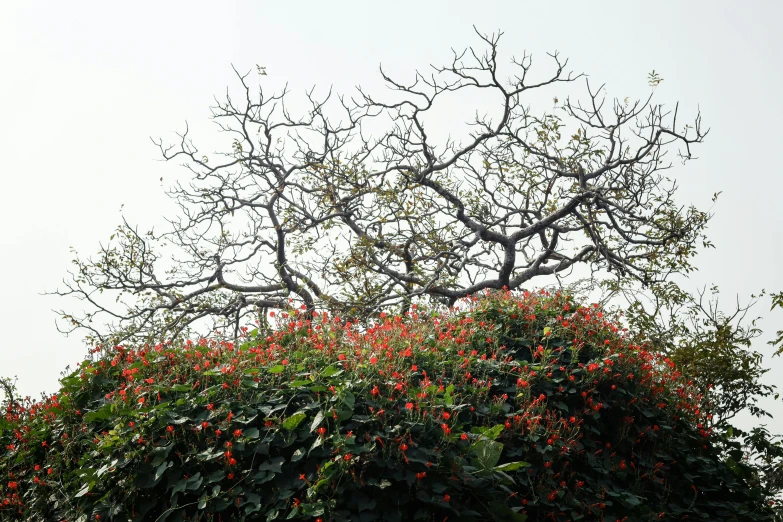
<point x="323" y="211"/>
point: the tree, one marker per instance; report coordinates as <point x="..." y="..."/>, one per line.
<point x="713" y="348"/>
<point x="518" y="408"/>
<point x="317" y="211"/>
<point x="327" y="212"/>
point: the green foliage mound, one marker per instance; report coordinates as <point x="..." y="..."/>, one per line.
<point x="526" y="407"/>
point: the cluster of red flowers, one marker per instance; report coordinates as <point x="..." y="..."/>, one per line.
<point x="427" y="370"/>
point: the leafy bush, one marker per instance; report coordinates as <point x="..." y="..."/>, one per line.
<point x="518" y="408"/>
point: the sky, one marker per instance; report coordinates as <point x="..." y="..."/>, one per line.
<point x="86" y="84"/>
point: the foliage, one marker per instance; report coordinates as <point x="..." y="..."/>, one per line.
<point x="713" y="347"/>
<point x="777" y="302"/>
<point x="520" y="407"/>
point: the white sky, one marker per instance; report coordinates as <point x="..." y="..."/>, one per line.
<point x="85" y="84"/>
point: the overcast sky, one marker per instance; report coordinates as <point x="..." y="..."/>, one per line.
<point x="85" y="84"/>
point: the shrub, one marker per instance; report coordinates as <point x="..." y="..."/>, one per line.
<point x="526" y="407"/>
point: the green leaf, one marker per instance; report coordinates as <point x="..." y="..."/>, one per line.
<point x="208" y="454"/>
<point x="318" y="442"/>
<point x="277" y="369"/>
<point x="216" y="476"/>
<point x="330" y="371"/>
<point x="502" y="512"/>
<point x="194" y="482"/>
<point x="83" y="491"/>
<point x="344" y="414"/>
<point x="274" y="465"/>
<point x="252" y="502"/>
<point x="160" y="453"/>
<point x="511" y="466"/>
<point x="349" y="400"/>
<point x="294" y="420"/>
<point x="488" y="433"/>
<point x="487" y="454"/>
<point x="448" y="398"/>
<point x="261" y="477"/>
<point x="147" y="479"/>
<point x="179" y="486"/>
<point x="100" y="414"/>
<point x="319" y="418"/>
<point x="161" y="469"/>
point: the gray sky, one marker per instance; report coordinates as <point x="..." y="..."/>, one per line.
<point x="85" y="84"/>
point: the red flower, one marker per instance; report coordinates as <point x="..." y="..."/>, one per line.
<point x="409" y="406"/>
